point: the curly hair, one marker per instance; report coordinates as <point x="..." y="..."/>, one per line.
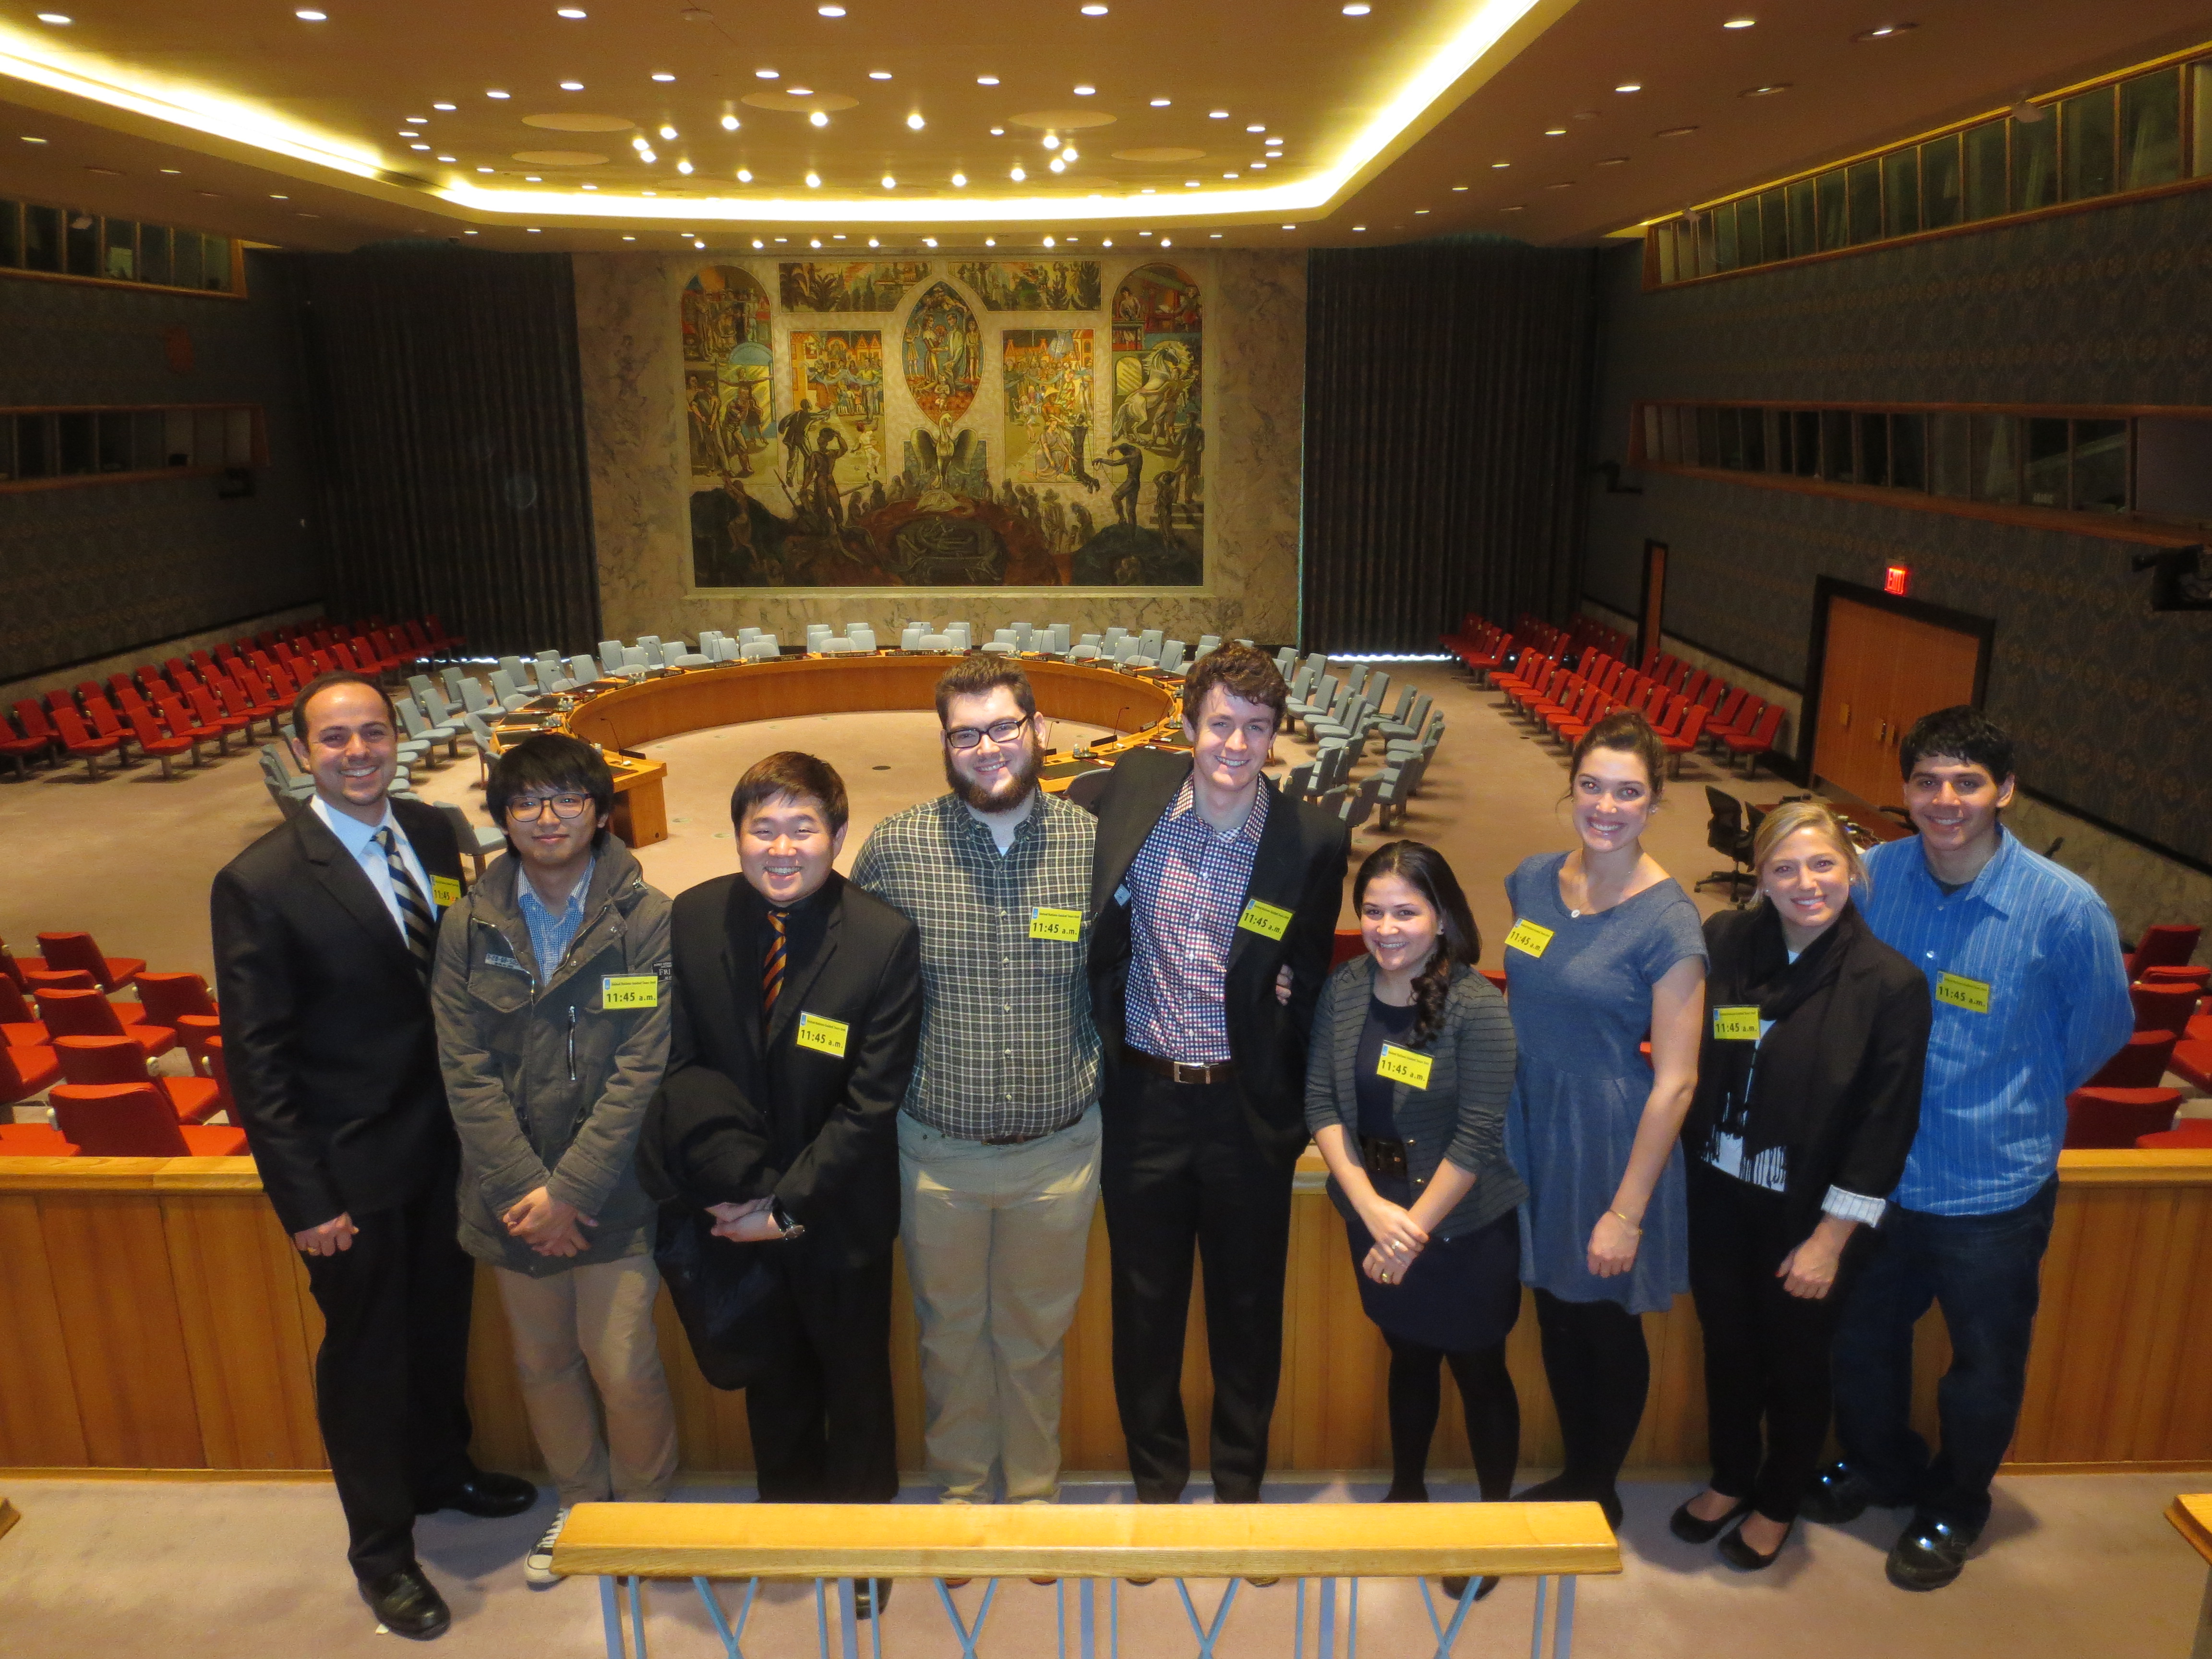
<point x="1423" y="868"/>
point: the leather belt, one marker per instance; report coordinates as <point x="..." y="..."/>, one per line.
<point x="1384" y="1158"/>
<point x="1012" y="1140"/>
<point x="1179" y="1071"/>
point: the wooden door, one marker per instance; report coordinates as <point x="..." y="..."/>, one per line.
<point x="1881" y="672"/>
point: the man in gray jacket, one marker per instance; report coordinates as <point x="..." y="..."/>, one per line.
<point x="551" y="992"/>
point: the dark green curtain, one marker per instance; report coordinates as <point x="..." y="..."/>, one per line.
<point x="449" y="421"/>
<point x="1447" y="394"/>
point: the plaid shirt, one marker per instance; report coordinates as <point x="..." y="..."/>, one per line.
<point x="1187" y="888"/>
<point x="1007" y="1045"/>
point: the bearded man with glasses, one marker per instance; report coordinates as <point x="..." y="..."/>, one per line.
<point x="999" y="1132"/>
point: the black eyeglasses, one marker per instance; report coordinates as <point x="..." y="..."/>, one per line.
<point x="1001" y="733"/>
<point x="529" y="810"/>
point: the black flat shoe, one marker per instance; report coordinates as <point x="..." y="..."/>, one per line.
<point x="1560" y="1490"/>
<point x="486" y="1494"/>
<point x="1456" y="1587"/>
<point x="870" y="1596"/>
<point x="407" y="1604"/>
<point x="1744" y="1559"/>
<point x="1695" y="1530"/>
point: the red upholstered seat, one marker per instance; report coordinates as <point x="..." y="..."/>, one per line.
<point x="2193" y="1060"/>
<point x="64" y="950"/>
<point x="163" y="746"/>
<point x="32" y="1140"/>
<point x="1349" y="944"/>
<point x="2169" y="944"/>
<point x="88" y="1013"/>
<point x="133" y="1119"/>
<point x="2158" y="1007"/>
<point x="118" y="1060"/>
<point x="2117" y="1117"/>
<point x="19" y="1027"/>
<point x="2187" y="1134"/>
<point x="2140" y="1062"/>
<point x="25" y="1072"/>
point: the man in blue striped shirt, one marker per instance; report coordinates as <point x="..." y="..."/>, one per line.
<point x="2031" y="999"/>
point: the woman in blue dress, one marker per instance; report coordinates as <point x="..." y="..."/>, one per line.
<point x="1605" y="946"/>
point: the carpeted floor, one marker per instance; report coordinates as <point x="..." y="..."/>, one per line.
<point x="2073" y="1566"/>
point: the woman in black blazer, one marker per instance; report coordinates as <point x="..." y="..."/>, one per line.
<point x="1406" y="1082"/>
<point x="1808" y="1097"/>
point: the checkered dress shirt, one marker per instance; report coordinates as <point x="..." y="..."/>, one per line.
<point x="1007" y="1045"/>
<point x="1187" y="888"/>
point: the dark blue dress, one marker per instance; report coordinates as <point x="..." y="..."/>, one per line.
<point x="1580" y="1012"/>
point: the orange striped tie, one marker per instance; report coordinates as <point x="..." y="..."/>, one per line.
<point x="772" y="970"/>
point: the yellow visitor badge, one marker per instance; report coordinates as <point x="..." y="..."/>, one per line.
<point x="1404" y="1066"/>
<point x="1972" y="994"/>
<point x="1528" y="936"/>
<point x="1736" y="1024"/>
<point x="1046" y="923"/>
<point x="1267" y="921"/>
<point x="629" y="991"/>
<point x="824" y="1035"/>
<point x="445" y="892"/>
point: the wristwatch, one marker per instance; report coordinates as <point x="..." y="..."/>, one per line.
<point x="791" y="1229"/>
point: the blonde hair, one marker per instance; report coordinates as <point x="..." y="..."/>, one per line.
<point x="1787" y="819"/>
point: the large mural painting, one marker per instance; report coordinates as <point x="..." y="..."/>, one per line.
<point x="912" y="450"/>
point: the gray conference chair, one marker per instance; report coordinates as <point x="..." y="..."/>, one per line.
<point x="478" y="840"/>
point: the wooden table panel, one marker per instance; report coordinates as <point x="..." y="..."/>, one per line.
<point x="40" y="1423"/>
<point x="238" y="1285"/>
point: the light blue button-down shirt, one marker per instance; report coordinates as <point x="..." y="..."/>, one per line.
<point x="551" y="932"/>
<point x="1993" y="1107"/>
<point x="359" y="840"/>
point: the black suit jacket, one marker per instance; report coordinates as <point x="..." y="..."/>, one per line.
<point x="746" y="1113"/>
<point x="326" y="1027"/>
<point x="1297" y="866"/>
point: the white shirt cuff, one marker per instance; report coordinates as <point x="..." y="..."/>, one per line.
<point x="1854" y="1207"/>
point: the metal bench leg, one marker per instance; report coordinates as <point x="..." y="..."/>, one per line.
<point x="731" y="1638"/>
<point x="610" y="1615"/>
<point x="968" y="1634"/>
<point x="1447" y="1635"/>
<point x="1207" y="1638"/>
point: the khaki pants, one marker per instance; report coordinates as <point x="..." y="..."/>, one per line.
<point x="994" y="1239"/>
<point x="594" y="1325"/>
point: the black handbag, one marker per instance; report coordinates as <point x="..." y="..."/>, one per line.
<point x="724" y="1294"/>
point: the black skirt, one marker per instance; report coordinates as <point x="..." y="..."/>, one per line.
<point x="1460" y="1294"/>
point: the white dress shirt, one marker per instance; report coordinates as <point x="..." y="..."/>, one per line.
<point x="359" y="840"/>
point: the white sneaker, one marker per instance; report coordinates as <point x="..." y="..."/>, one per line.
<point x="538" y="1565"/>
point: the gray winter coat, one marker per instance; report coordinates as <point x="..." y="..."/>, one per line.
<point x="548" y="1087"/>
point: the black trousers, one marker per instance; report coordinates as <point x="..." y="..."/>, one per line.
<point x="1180" y="1171"/>
<point x="823" y="1424"/>
<point x="391" y="1373"/>
<point x="1766" y="1351"/>
<point x="1599" y="1372"/>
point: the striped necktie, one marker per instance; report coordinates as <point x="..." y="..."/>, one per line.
<point x="414" y="908"/>
<point x="772" y="969"/>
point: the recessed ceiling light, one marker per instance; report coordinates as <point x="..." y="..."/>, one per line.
<point x="1256" y="127"/>
<point x="1166" y="241"/>
<point x="1015" y="174"/>
<point x="1094" y="10"/>
<point x="1501" y="164"/>
<point x="758" y="243"/>
<point x="646" y="156"/>
<point x="1106" y="241"/>
<point x="626" y="239"/>
<point x="1290" y="227"/>
<point x="1630" y="86"/>
<point x="59" y="19"/>
<point x="830" y="11"/>
<point x="1885" y="31"/>
<point x="173" y="169"/>
<point x="1740" y="22"/>
<point x="701" y="247"/>
<point x="915" y="122"/>
<point x="1057" y="165"/>
<point x="1555" y="133"/>
<point x="729" y="124"/>
<point x="307" y="16"/>
<point x="1611" y="161"/>
<point x="572" y="85"/>
<point x="1215" y="234"/>
<point x="814" y="241"/>
<point x="768" y="75"/>
<point x="1260" y="167"/>
<point x="409" y="132"/>
<point x="1162" y="103"/>
<point x="872" y="242"/>
<point x="683" y="168"/>
<point x="1047" y="241"/>
<point x="1085" y="92"/>
<point x="959" y="181"/>
<point x="418" y="147"/>
<point x="1358" y="8"/>
<point x="667" y="131"/>
<point x="1564" y="183"/>
<point x="998" y="132"/>
<point x="800" y="92"/>
<point x="879" y="75"/>
<point x="889" y="183"/>
<point x="484" y="169"/>
<point x="531" y="178"/>
<point x="1516" y="208"/>
<point x="1674" y="132"/>
<point x="929" y="241"/>
<point x="445" y="107"/>
<point x="577" y="13"/>
<point x="584" y="186"/>
<point x="1273" y="141"/>
<point x="745" y="175"/>
<point x="1419" y="211"/>
<point x="1229" y="175"/>
<point x="1217" y="115"/>
<point x="648" y="192"/>
<point x="279" y="198"/>
<point x="451" y="159"/>
<point x="1190" y="183"/>
<point x="986" y="79"/>
<point x="662" y="75"/>
<point x="814" y="181"/>
<point x="1460" y="187"/>
<point x="534" y="231"/>
<point x="495" y="94"/>
<point x="1767" y="91"/>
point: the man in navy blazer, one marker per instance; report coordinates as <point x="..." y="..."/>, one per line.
<point x="324" y="929"/>
<point x="1208" y="888"/>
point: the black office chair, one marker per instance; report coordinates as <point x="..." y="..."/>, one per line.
<point x="1726" y="832"/>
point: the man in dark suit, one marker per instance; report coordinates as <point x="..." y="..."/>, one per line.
<point x="1209" y="889"/>
<point x="324" y="933"/>
<point x="798" y="1008"/>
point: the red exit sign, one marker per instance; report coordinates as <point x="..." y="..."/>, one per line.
<point x="1896" y="579"/>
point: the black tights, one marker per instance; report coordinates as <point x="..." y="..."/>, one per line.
<point x="1493" y="1416"/>
<point x="1600" y="1371"/>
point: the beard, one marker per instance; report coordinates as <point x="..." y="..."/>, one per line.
<point x="1015" y="784"/>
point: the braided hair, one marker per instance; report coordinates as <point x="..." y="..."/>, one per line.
<point x="1423" y="868"/>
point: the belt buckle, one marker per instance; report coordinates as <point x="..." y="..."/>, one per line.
<point x="1186" y="1072"/>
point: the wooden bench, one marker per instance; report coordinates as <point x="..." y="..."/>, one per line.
<point x="2191" y="1514"/>
<point x="1084" y="1543"/>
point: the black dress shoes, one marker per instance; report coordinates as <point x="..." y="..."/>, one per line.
<point x="1456" y="1587"/>
<point x="1696" y="1529"/>
<point x="486" y="1494"/>
<point x="1744" y="1559"/>
<point x="1929" y="1554"/>
<point x="407" y="1604"/>
<point x="1840" y="1494"/>
<point x="870" y="1596"/>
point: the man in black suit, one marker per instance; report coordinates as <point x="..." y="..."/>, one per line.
<point x="1217" y="904"/>
<point x="798" y="1008"/>
<point x="324" y="931"/>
